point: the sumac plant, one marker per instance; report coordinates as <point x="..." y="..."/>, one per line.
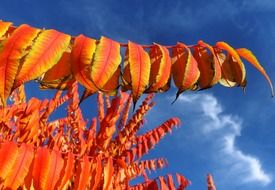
<point x="56" y="59"/>
<point x="69" y="153"/>
<point x="105" y="152"/>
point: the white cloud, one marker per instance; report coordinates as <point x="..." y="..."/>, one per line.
<point x="223" y="129"/>
<point x="249" y="165"/>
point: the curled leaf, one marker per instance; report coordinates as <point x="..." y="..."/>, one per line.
<point x="235" y="62"/>
<point x="249" y="56"/>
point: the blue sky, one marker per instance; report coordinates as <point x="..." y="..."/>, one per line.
<point x="224" y="131"/>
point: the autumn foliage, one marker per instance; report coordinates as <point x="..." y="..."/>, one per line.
<point x="70" y="153"/>
<point x="56" y="59"/>
<point x="105" y="152"/>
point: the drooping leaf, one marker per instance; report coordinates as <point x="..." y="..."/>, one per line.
<point x="105" y="63"/>
<point x="184" y="68"/>
<point x="209" y="65"/>
<point x="236" y="64"/>
<point x="44" y="54"/>
<point x="139" y="68"/>
<point x="249" y="56"/>
<point x="228" y="75"/>
<point x="205" y="66"/>
<point x="160" y="69"/>
<point x="82" y="56"/>
<point x="12" y="52"/>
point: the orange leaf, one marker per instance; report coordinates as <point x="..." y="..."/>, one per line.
<point x="96" y="173"/>
<point x="59" y="72"/>
<point x="13" y="51"/>
<point x="171" y="184"/>
<point x="55" y="170"/>
<point x="61" y="85"/>
<point x="4" y="26"/>
<point x="236" y="64"/>
<point x="139" y="66"/>
<point x="44" y="54"/>
<point x="216" y="66"/>
<point x="184" y="68"/>
<point x="59" y="76"/>
<point x="20" y="168"/>
<point x="47" y="168"/>
<point x="105" y="62"/>
<point x="210" y="182"/>
<point x="248" y="56"/>
<point x="110" y="88"/>
<point x="126" y="77"/>
<point x="205" y="66"/>
<point x="8" y="155"/>
<point x="82" y="56"/>
<point x="108" y="174"/>
<point x="66" y="173"/>
<point x="108" y="124"/>
<point x="163" y="185"/>
<point x="228" y="76"/>
<point x="160" y="69"/>
<point x="28" y="131"/>
<point x="83" y="173"/>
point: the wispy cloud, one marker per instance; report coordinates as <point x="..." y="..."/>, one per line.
<point x="222" y="129"/>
